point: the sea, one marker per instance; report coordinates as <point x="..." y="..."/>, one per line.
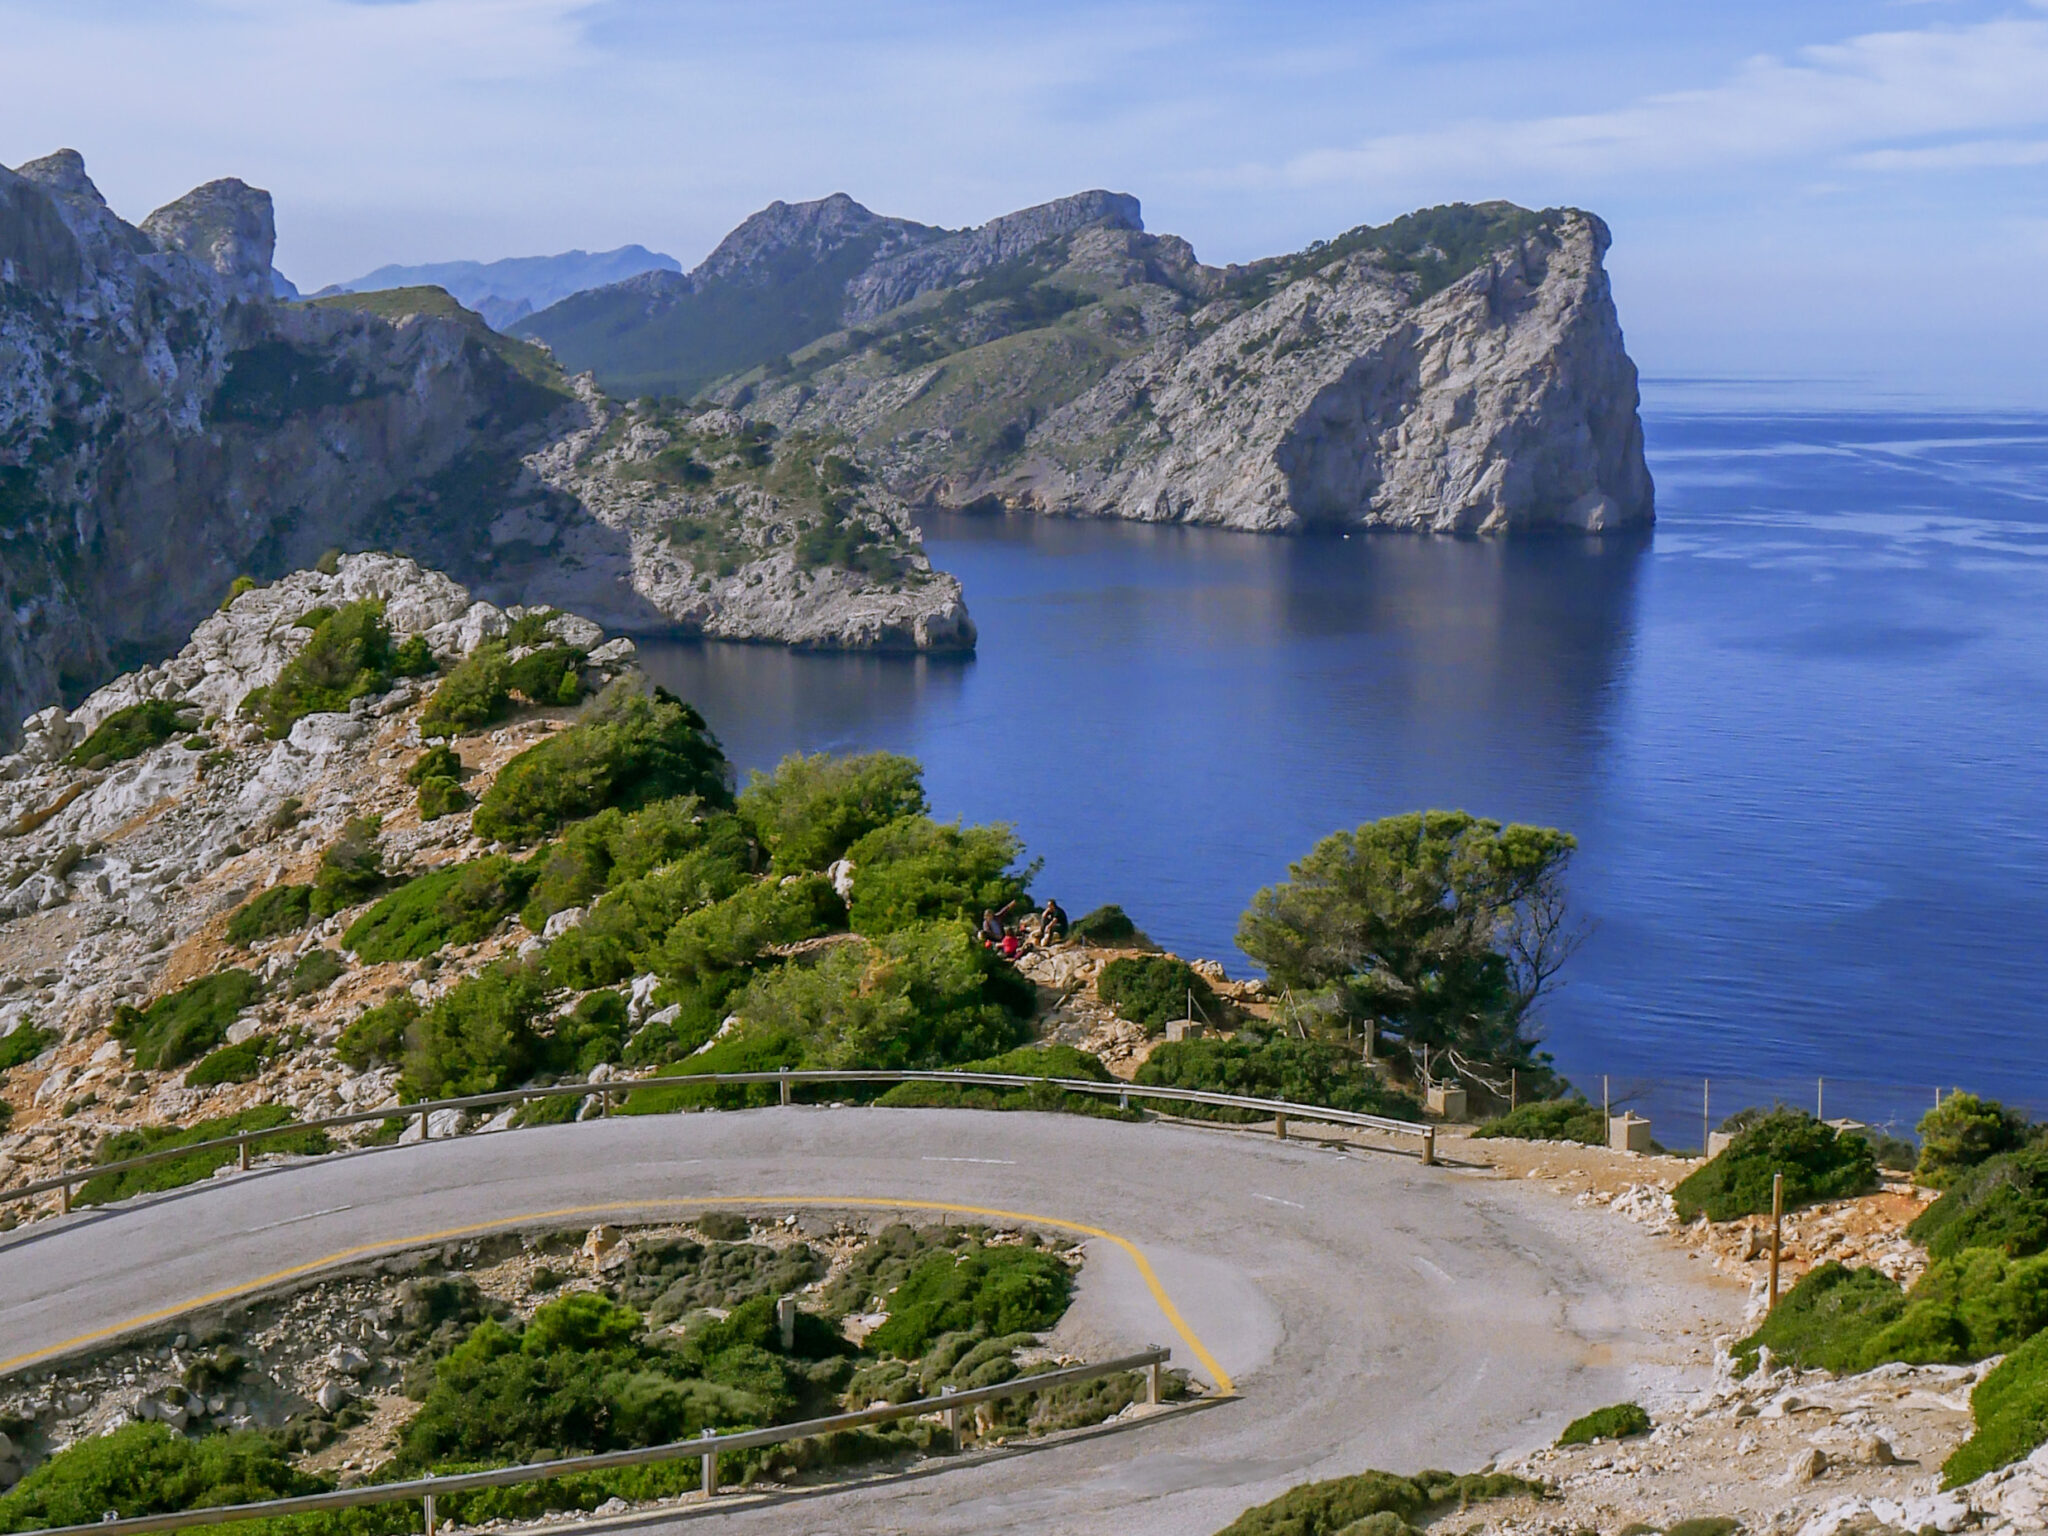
<point x="1797" y="730"/>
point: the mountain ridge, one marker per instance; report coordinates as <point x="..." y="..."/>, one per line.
<point x="507" y="290"/>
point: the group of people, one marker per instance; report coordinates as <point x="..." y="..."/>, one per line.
<point x="1035" y="930"/>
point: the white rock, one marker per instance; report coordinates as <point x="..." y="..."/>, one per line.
<point x="348" y="1360"/>
<point x="840" y="873"/>
<point x="562" y="921"/>
<point x="614" y="653"/>
<point x="332" y="1395"/>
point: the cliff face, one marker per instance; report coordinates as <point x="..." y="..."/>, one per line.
<point x="165" y="425"/>
<point x="1460" y="370"/>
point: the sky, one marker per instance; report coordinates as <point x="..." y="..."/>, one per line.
<point x="1852" y="195"/>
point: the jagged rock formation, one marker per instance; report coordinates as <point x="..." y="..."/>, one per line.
<point x="1458" y="371"/>
<point x="166" y="425"/>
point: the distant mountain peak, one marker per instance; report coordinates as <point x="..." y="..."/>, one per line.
<point x="63" y="172"/>
<point x="813" y="231"/>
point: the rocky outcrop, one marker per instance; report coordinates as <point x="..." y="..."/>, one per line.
<point x="166" y="425"/>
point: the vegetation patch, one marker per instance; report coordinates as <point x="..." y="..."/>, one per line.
<point x="1550" y="1120"/>
<point x="376" y="1037"/>
<point x="1046" y="1061"/>
<point x="633" y="749"/>
<point x="1109" y="927"/>
<point x="1327" y="1508"/>
<point x="1154" y="990"/>
<point x="1963" y="1131"/>
<point x="316" y="971"/>
<point x="916" y="870"/>
<point x="134" y="730"/>
<point x="147" y="1469"/>
<point x="1615" y="1423"/>
<point x="1272" y="1067"/>
<point x="457" y="905"/>
<point x="2010" y="1407"/>
<point x="24" y="1043"/>
<point x="999" y="1291"/>
<point x="1818" y="1162"/>
<point x="811" y="810"/>
<point x="2002" y="1204"/>
<point x="183" y="1025"/>
<point x="231" y="1064"/>
<point x="281" y="909"/>
<point x="614" y="847"/>
<point x="483" y="687"/>
<point x="352" y="870"/>
<point x="349" y="656"/>
<point x="176" y="1172"/>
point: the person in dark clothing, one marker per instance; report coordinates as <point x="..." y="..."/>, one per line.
<point x="992" y="924"/>
<point x="1052" y="923"/>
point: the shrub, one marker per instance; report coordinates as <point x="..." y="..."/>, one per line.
<point x="635" y="748"/>
<point x="2010" y="1406"/>
<point x="1154" y="990"/>
<point x="1272" y="1067"/>
<point x="377" y="1036"/>
<point x="736" y="932"/>
<point x="24" y="1042"/>
<point x="1818" y="1163"/>
<point x="1615" y="1423"/>
<point x="185" y="1024"/>
<point x="440" y="797"/>
<point x="1360" y="1502"/>
<point x="1109" y="927"/>
<point x="147" y="1469"/>
<point x="456" y="905"/>
<point x="281" y="909"/>
<point x="612" y="847"/>
<point x="349" y="656"/>
<point x="1051" y="1061"/>
<point x="230" y="1064"/>
<point x="134" y="730"/>
<point x="917" y="871"/>
<point x="622" y="935"/>
<point x="352" y="870"/>
<point x="552" y="675"/>
<point x="1963" y="1131"/>
<point x="481" y="1036"/>
<point x="1550" y="1120"/>
<point x="812" y="809"/>
<point x="2000" y="1204"/>
<point x="1963" y="1308"/>
<point x="996" y="1290"/>
<point x="476" y="691"/>
<point x="176" y="1172"/>
<point x="236" y="588"/>
<point x="414" y="658"/>
<point x="317" y="970"/>
<point x="437" y="762"/>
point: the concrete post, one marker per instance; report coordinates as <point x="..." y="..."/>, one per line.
<point x="708" y="1477"/>
<point x="1429" y="1146"/>
<point x="1280" y="1126"/>
<point x="243" y="1151"/>
<point x="952" y="1419"/>
<point x="785" y="1085"/>
<point x="429" y="1502"/>
<point x="64" y="1192"/>
<point x="1152" y="1384"/>
<point x="425" y="1129"/>
<point x="785" y="1319"/>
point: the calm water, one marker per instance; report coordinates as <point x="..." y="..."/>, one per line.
<point x="1798" y="732"/>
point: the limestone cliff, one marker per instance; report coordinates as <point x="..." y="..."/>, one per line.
<point x="166" y="425"/>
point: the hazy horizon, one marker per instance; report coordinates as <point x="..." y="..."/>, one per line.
<point x="1834" y="192"/>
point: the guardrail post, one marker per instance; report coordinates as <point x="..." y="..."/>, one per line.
<point x="785" y="1320"/>
<point x="1280" y="1126"/>
<point x="424" y="1131"/>
<point x="429" y="1502"/>
<point x="242" y="1151"/>
<point x="708" y="1477"/>
<point x="952" y="1419"/>
<point x="1152" y="1382"/>
<point x="64" y="1191"/>
<point x="783" y="1075"/>
<point x="604" y="1103"/>
<point x="1429" y="1147"/>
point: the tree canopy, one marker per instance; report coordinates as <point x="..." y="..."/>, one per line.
<point x="1438" y="927"/>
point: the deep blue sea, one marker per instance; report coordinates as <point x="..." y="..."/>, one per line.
<point x="1798" y="731"/>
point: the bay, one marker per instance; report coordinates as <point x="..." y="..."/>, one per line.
<point x="1798" y="731"/>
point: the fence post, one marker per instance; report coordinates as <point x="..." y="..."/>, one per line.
<point x="1606" y="1099"/>
<point x="429" y="1502"/>
<point x="243" y="1150"/>
<point x="604" y="1103"/>
<point x="952" y="1419"/>
<point x="1429" y="1146"/>
<point x="1514" y="1089"/>
<point x="424" y="1130"/>
<point x="1706" y="1114"/>
<point x="784" y="1079"/>
<point x="1280" y="1127"/>
<point x="785" y="1320"/>
<point x="64" y="1190"/>
<point x="1820" y="1085"/>
<point x="1777" y="1234"/>
<point x="708" y="1476"/>
<point x="1152" y="1383"/>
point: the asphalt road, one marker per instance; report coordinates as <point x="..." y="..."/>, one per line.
<point x="1367" y="1310"/>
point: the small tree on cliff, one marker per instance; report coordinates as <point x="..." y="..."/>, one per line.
<point x="1438" y="927"/>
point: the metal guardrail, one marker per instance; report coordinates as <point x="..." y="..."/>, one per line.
<point x="708" y="1446"/>
<point x="1281" y="1110"/>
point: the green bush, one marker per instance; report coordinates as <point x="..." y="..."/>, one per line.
<point x="352" y="870"/>
<point x="551" y="675"/>
<point x="176" y="1172"/>
<point x="236" y="588"/>
<point x="414" y="658"/>
<point x="230" y="1064"/>
<point x="24" y="1042"/>
<point x="377" y="1036"/>
<point x="613" y="847"/>
<point x="134" y="730"/>
<point x="440" y="797"/>
<point x="736" y="932"/>
<point x="185" y="1024"/>
<point x="348" y="656"/>
<point x="281" y="909"/>
<point x="1154" y="990"/>
<point x="812" y="809"/>
<point x="1550" y="1120"/>
<point x="917" y="871"/>
<point x="1826" y="1321"/>
<point x="623" y="933"/>
<point x="1050" y="1061"/>
<point x="633" y="749"/>
<point x="1818" y="1163"/>
<point x="456" y="905"/>
<point x="1964" y="1308"/>
<point x="439" y="761"/>
<point x="1358" y="1506"/>
<point x="1615" y="1423"/>
<point x="1963" y="1131"/>
<point x="478" y="691"/>
<point x="2002" y="1204"/>
<point x="1109" y="927"/>
<point x="2010" y="1406"/>
<point x="1272" y="1067"/>
<point x="995" y="1290"/>
<point x="148" y="1469"/>
<point x="317" y="970"/>
<point x="480" y="1036"/>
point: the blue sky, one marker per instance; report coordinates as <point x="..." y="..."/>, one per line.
<point x="1856" y="193"/>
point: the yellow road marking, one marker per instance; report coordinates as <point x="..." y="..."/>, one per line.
<point x="1160" y="1297"/>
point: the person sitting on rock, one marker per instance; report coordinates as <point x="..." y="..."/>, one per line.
<point x="1052" y="923"/>
<point x="992" y="925"/>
